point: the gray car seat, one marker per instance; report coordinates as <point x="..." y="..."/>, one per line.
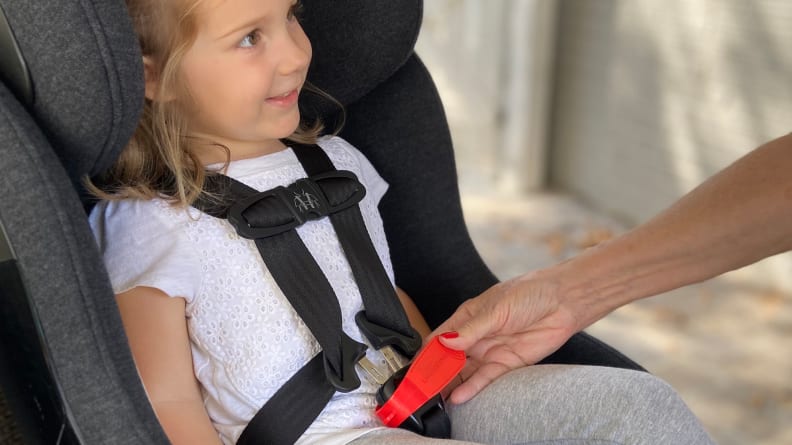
<point x="70" y="96"/>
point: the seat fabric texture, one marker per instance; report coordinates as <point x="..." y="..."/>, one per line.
<point x="68" y="291"/>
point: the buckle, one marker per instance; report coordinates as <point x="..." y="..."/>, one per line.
<point x="411" y="398"/>
<point x="430" y="420"/>
<point x="281" y="209"/>
<point x="345" y="379"/>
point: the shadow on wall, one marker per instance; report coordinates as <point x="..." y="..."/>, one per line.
<point x="467" y="68"/>
<point x="653" y="97"/>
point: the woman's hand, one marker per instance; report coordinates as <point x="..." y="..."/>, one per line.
<point x="513" y="324"/>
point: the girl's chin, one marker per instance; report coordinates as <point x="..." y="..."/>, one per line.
<point x="289" y="127"/>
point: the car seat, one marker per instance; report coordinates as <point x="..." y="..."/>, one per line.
<point x="71" y="93"/>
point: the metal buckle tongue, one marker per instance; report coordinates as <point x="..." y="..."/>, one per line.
<point x="430" y="371"/>
<point x="372" y="370"/>
<point x="352" y="354"/>
<point x="386" y="340"/>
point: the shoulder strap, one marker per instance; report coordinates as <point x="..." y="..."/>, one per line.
<point x="384" y="323"/>
<point x="268" y="218"/>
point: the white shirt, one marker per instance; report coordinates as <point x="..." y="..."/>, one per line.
<point x="246" y="338"/>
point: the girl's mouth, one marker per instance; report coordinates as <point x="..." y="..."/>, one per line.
<point x="284" y="100"/>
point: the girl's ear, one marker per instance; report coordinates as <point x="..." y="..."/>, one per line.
<point x="152" y="78"/>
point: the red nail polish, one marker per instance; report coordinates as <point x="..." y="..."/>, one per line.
<point x="452" y="334"/>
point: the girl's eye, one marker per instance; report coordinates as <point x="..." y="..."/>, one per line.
<point x="250" y="40"/>
<point x="295" y="12"/>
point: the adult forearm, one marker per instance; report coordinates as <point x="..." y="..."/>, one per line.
<point x="736" y="217"/>
<point x="740" y="215"/>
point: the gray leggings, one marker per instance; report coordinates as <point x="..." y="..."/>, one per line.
<point x="565" y="405"/>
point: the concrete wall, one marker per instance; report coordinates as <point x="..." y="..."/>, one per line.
<point x="492" y="64"/>
<point x="653" y="96"/>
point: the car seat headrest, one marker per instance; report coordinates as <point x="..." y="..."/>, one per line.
<point x="76" y="65"/>
<point x="83" y="66"/>
<point x="359" y="43"/>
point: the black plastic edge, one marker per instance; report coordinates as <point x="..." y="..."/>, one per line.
<point x="30" y="390"/>
<point x="13" y="68"/>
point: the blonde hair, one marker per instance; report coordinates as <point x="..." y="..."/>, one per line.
<point x="157" y="162"/>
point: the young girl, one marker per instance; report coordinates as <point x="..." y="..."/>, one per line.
<point x="212" y="335"/>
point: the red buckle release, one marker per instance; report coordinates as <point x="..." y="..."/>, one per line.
<point x="430" y="371"/>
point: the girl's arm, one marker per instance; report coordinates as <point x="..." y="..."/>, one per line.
<point x="157" y="332"/>
<point x="413" y="314"/>
<point x="156" y="327"/>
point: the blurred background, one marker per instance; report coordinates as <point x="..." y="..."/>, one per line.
<point x="574" y="120"/>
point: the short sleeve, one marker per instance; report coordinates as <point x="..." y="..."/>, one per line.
<point x="143" y="244"/>
<point x="376" y="186"/>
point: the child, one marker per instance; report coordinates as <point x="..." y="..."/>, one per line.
<point x="212" y="335"/>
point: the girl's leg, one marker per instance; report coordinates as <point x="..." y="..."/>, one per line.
<point x="398" y="436"/>
<point x="569" y="404"/>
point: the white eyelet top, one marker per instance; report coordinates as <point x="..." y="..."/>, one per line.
<point x="246" y="339"/>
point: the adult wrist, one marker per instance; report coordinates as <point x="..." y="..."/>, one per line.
<point x="559" y="290"/>
<point x="588" y="288"/>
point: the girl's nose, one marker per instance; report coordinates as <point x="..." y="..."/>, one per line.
<point x="295" y="50"/>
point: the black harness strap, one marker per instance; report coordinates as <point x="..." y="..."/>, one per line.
<point x="292" y="409"/>
<point x="255" y="214"/>
<point x="269" y="218"/>
<point x="383" y="308"/>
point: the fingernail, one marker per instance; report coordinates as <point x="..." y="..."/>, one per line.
<point x="452" y="334"/>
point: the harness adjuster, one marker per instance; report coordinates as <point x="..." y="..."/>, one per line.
<point x="380" y="336"/>
<point x="345" y="378"/>
<point x="272" y="212"/>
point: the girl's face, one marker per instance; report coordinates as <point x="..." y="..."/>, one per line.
<point x="244" y="73"/>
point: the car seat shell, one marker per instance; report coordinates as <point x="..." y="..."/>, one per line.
<point x="79" y="383"/>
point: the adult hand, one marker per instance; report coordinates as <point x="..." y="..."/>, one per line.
<point x="513" y="324"/>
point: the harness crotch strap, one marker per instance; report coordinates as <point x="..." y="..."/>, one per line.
<point x="269" y="218"/>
